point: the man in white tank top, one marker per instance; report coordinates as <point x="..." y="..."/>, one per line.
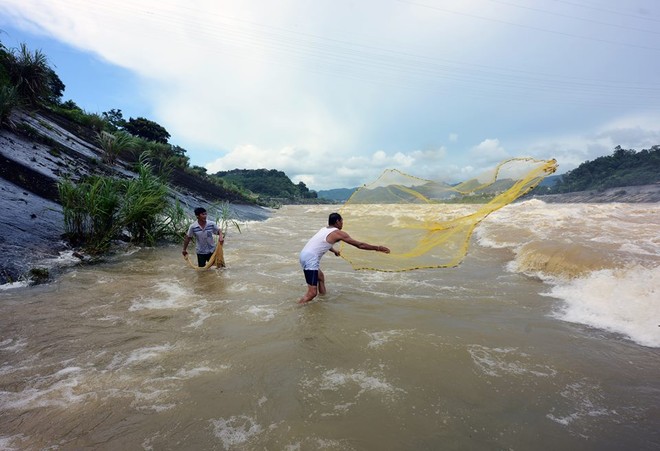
<point x="318" y="245"/>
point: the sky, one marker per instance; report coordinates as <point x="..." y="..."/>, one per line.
<point x="333" y="92"/>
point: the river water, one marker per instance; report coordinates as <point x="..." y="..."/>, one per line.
<point x="546" y="337"/>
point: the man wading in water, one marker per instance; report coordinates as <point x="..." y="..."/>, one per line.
<point x="203" y="231"/>
<point x="319" y="244"/>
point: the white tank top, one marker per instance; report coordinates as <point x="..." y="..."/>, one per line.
<point x="317" y="245"/>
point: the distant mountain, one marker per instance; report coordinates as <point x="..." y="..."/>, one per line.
<point x="337" y="194"/>
<point x="550" y="180"/>
<point x="343" y="194"/>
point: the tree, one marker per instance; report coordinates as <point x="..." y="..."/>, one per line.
<point x="199" y="170"/>
<point x="55" y="88"/>
<point x="70" y="105"/>
<point x="305" y="192"/>
<point x="144" y="128"/>
<point x="115" y="119"/>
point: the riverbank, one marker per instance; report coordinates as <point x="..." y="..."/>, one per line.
<point x="625" y="194"/>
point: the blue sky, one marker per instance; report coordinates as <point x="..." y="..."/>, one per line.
<point x="334" y="91"/>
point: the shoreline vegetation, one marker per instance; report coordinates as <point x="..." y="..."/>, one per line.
<point x="89" y="183"/>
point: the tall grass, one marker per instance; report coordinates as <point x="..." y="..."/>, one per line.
<point x="144" y="200"/>
<point x="102" y="200"/>
<point x="99" y="209"/>
<point x="113" y="144"/>
<point x="74" y="206"/>
<point x="29" y="73"/>
<point x="226" y="218"/>
<point x="8" y="101"/>
<point x="90" y="212"/>
<point x="173" y="222"/>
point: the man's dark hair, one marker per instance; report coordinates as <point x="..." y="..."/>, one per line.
<point x="199" y="211"/>
<point x="334" y="218"/>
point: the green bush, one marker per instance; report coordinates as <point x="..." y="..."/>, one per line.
<point x="91" y="120"/>
<point x="99" y="209"/>
<point x="144" y="200"/>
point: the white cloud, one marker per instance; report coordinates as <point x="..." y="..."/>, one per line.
<point x="488" y="152"/>
<point x="249" y="156"/>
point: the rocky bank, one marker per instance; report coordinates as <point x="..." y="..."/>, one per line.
<point x="632" y="194"/>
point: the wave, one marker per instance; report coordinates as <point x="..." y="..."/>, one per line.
<point x="623" y="301"/>
<point x="601" y="260"/>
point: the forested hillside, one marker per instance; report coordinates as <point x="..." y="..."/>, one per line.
<point x="267" y="184"/>
<point x="625" y="167"/>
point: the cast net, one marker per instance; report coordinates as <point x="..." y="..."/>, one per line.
<point x="217" y="258"/>
<point x="428" y="224"/>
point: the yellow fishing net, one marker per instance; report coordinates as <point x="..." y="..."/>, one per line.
<point x="428" y="224"/>
<point x="217" y="258"/>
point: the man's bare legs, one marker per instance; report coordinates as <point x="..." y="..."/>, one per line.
<point x="312" y="290"/>
<point x="321" y="282"/>
<point x="311" y="294"/>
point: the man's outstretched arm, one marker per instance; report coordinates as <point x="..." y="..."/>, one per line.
<point x="345" y="237"/>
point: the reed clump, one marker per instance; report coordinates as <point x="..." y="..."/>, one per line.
<point x="99" y="209"/>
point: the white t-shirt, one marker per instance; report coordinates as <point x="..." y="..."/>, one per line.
<point x="203" y="237"/>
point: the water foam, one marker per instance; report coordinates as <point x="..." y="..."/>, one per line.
<point x="584" y="401"/>
<point x="14" y="285"/>
<point x="174" y="297"/>
<point x="625" y="301"/>
<point x="499" y="362"/>
<point x="59" y="393"/>
<point x="378" y="339"/>
<point x="202" y="316"/>
<point x="7" y="443"/>
<point x="235" y="431"/>
<point x="139" y="356"/>
<point x="335" y="379"/>
<point x="13" y="344"/>
<point x="259" y="312"/>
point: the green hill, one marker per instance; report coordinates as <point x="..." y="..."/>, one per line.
<point x="268" y="185"/>
<point x="625" y="167"/>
